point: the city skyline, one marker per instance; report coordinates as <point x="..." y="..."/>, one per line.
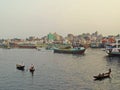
<point x="24" y="18"/>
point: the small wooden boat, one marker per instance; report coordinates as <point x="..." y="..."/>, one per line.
<point x="20" y="67"/>
<point x="100" y="77"/>
<point x="103" y="75"/>
<point x="31" y="69"/>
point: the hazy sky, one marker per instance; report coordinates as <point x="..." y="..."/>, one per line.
<point x="23" y="18"/>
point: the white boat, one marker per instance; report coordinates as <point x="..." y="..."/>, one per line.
<point x="113" y="49"/>
<point x="38" y="48"/>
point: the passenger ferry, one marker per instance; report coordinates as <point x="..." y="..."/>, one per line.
<point x="113" y="49"/>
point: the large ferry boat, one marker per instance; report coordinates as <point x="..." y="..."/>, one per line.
<point x="113" y="49"/>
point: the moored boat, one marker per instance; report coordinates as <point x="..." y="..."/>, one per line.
<point x="113" y="49"/>
<point x="76" y="50"/>
<point x="27" y="45"/>
<point x="95" y="45"/>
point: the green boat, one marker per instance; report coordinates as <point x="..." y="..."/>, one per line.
<point x="76" y="50"/>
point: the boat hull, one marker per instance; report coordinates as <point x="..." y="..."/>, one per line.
<point x="100" y="78"/>
<point x="113" y="49"/>
<point x="111" y="53"/>
<point x="31" y="70"/>
<point x="69" y="51"/>
<point x="20" y="67"/>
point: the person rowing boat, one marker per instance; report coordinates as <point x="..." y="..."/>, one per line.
<point x="32" y="69"/>
<point x="103" y="75"/>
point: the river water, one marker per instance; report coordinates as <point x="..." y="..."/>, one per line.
<point x="57" y="71"/>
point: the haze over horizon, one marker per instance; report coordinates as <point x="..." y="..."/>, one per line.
<point x="24" y="18"/>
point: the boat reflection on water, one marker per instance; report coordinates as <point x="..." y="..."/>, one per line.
<point x="113" y="60"/>
<point x="32" y="73"/>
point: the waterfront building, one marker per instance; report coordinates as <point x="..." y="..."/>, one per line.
<point x="50" y="36"/>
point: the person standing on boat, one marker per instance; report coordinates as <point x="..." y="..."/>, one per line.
<point x="32" y="66"/>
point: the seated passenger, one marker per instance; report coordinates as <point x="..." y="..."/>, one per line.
<point x="32" y="66"/>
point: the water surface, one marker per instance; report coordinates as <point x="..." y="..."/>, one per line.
<point x="57" y="71"/>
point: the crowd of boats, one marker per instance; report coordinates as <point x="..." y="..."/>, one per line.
<point x="112" y="49"/>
